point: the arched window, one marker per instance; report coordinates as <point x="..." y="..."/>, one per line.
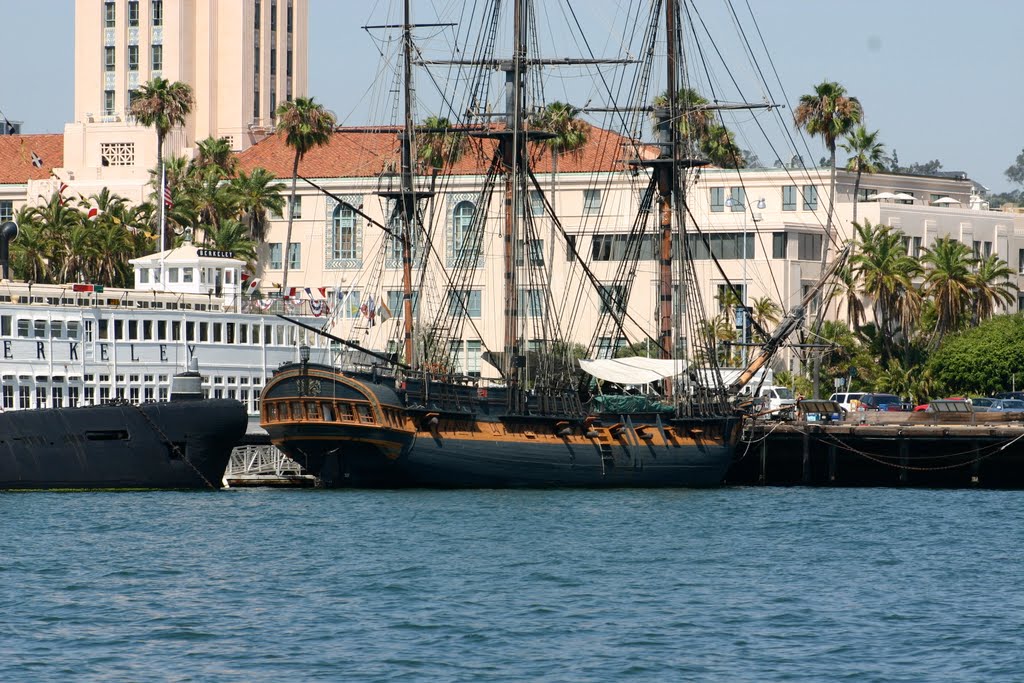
<point x="343" y="242"/>
<point x="464" y="243"/>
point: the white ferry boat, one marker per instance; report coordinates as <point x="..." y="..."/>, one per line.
<point x="85" y="344"/>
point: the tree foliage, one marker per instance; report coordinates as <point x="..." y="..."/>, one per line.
<point x="980" y="360"/>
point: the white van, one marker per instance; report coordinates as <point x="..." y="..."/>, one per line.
<point x="847" y="399"/>
<point x="771" y="398"/>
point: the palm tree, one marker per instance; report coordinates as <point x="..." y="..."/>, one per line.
<point x="887" y="273"/>
<point x="257" y="193"/>
<point x="867" y="156"/>
<point x="304" y="125"/>
<point x="216" y="153"/>
<point x="765" y="312"/>
<point x="830" y="113"/>
<point x="437" y="144"/>
<point x="948" y="282"/>
<point x="29" y="253"/>
<point x="719" y="146"/>
<point x="163" y="105"/>
<point x="694" y="118"/>
<point x="232" y="235"/>
<point x="991" y="287"/>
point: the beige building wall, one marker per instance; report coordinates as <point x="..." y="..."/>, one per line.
<point x="239" y="56"/>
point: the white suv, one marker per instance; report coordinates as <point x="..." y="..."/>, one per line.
<point x="846" y="399"/>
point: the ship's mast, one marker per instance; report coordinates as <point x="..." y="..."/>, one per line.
<point x="408" y="198"/>
<point x="513" y="144"/>
<point x="668" y="137"/>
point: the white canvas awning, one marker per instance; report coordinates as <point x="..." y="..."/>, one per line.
<point x="632" y="370"/>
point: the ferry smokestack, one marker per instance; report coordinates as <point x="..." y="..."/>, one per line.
<point x="188" y="386"/>
<point x="8" y="232"/>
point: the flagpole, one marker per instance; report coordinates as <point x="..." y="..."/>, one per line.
<point x="163" y="203"/>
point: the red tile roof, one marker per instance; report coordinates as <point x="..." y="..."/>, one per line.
<point x="366" y="153"/>
<point x="16" y="156"/>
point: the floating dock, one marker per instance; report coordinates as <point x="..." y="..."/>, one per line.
<point x="923" y="449"/>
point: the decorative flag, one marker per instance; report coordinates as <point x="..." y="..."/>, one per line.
<point x="87" y="288"/>
<point x="323" y="292"/>
<point x="36" y="160"/>
<point x="167" y="197"/>
<point x="383" y="312"/>
<point x="93" y="212"/>
<point x="309" y="293"/>
<point x="253" y="284"/>
<point x="319" y="308"/>
<point x="371" y="311"/>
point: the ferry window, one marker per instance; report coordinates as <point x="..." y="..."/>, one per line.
<point x="24" y="397"/>
<point x="243" y="334"/>
<point x="255" y="334"/>
<point x="147" y="329"/>
<point x="56" y="329"/>
<point x="204" y="332"/>
<point x="73" y="397"/>
<point x="229" y="329"/>
<point x="190" y="331"/>
<point x="186" y="275"/>
<point x="789" y="198"/>
<point x="143" y="275"/>
<point x="40" y="397"/>
<point x="163" y="393"/>
<point x="161" y="330"/>
<point x="57" y="396"/>
<point x="5" y="325"/>
<point x="279" y="335"/>
<point x="133" y="329"/>
<point x="216" y="333"/>
<point x="118" y="329"/>
<point x="8" y="397"/>
<point x="104" y="329"/>
<point x="74" y="330"/>
<point x="172" y="275"/>
<point x="133" y="394"/>
<point x="147" y="394"/>
<point x="90" y="396"/>
<point x="39" y="329"/>
<point x="175" y="330"/>
<point x="23" y="328"/>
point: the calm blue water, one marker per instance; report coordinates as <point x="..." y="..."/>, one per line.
<point x="727" y="585"/>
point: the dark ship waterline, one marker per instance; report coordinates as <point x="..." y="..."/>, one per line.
<point x="364" y="432"/>
<point x="172" y="445"/>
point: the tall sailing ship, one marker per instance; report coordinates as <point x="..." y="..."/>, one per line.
<point x="406" y="416"/>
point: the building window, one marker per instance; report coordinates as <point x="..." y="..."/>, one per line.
<point x="158" y="57"/>
<point x="465" y="302"/>
<point x="1020" y="252"/>
<point x="297" y="207"/>
<point x="789" y="198"/>
<point x="613" y="298"/>
<point x="536" y="249"/>
<point x="6" y="210"/>
<point x="779" y="245"/>
<point x="531" y="302"/>
<point x="721" y="245"/>
<point x="465" y="241"/>
<point x="591" y="201"/>
<point x="344" y="226"/>
<point x="349" y="303"/>
<point x="737" y="199"/>
<point x="108" y="14"/>
<point x="976" y="248"/>
<point x="621" y="247"/>
<point x="108" y="103"/>
<point x="536" y="203"/>
<point x="295" y="255"/>
<point x="570" y="247"/>
<point x="133" y="13"/>
<point x="718" y="199"/>
<point x="158" y="12"/>
<point x="473" y="351"/>
<point x="810" y="198"/>
<point x="289" y="17"/>
<point x="109" y="60"/>
<point x="256" y="16"/>
<point x="273" y="15"/>
<point x="809" y="246"/>
<point x="276" y="262"/>
<point x="133" y="57"/>
<point x="396" y="302"/>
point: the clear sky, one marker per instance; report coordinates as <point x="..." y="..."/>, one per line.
<point x="938" y="78"/>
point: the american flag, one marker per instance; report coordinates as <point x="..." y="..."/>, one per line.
<point x="167" y="197"/>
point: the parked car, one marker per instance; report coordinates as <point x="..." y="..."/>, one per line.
<point x="847" y="400"/>
<point x="884" y="402"/>
<point x="1018" y="395"/>
<point x="1006" y="405"/>
<point x="981" y="404"/>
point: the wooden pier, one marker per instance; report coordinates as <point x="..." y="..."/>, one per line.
<point x="829" y="448"/>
